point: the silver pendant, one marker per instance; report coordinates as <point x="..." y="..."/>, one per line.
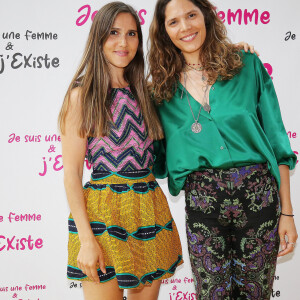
<point x="196" y="127"/>
<point x="206" y="107"/>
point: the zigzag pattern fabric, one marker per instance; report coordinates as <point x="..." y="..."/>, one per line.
<point x="127" y="147"/>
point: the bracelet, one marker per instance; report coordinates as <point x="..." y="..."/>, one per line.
<point x="286" y="215"/>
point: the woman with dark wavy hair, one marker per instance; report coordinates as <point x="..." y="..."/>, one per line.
<point x="225" y="144"/>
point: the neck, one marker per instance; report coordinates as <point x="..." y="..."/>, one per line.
<point x="117" y="77"/>
<point x="192" y="58"/>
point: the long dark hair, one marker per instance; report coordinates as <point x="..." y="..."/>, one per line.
<point x="93" y="78"/>
<point x="219" y="57"/>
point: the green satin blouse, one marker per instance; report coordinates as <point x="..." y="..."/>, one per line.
<point x="244" y="127"/>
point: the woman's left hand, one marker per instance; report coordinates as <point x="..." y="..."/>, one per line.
<point x="287" y="228"/>
<point x="246" y="47"/>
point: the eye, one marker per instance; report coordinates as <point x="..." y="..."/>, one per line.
<point x="132" y="33"/>
<point x="113" y="32"/>
<point x="172" y="23"/>
<point x="192" y="15"/>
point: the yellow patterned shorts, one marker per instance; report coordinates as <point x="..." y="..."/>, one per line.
<point x="131" y="220"/>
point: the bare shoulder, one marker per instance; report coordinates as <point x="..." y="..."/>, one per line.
<point x="74" y="105"/>
<point x="75" y="97"/>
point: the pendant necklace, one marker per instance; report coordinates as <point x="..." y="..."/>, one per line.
<point x="196" y="126"/>
<point x="205" y="105"/>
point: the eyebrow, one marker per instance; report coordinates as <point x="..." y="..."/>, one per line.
<point x="191" y="11"/>
<point x="116" y="28"/>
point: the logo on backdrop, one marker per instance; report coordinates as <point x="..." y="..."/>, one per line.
<point x="180" y="288"/>
<point x="18" y="60"/>
<point x="245" y="17"/>
<point x="86" y="13"/>
<point x="16" y="243"/>
<point x="13" y="292"/>
<point x="51" y="161"/>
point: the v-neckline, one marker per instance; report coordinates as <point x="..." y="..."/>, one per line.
<point x="203" y="112"/>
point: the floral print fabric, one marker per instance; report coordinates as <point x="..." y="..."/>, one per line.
<point x="232" y="222"/>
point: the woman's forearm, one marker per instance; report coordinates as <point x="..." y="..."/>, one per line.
<point x="73" y="186"/>
<point x="284" y="192"/>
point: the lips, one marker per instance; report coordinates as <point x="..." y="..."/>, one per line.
<point x="189" y="37"/>
<point x="122" y="53"/>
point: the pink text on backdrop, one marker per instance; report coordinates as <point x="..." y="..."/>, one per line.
<point x="34" y="138"/>
<point x="186" y="280"/>
<point x="292" y="135"/>
<point x="180" y="295"/>
<point x="13" y="137"/>
<point x="87" y="13"/>
<point x="36" y="287"/>
<point x="269" y="68"/>
<point x="57" y="164"/>
<point x="24" y="243"/>
<point x="27" y="287"/>
<point x="12" y="217"/>
<point x="52" y="138"/>
<point x="244" y="16"/>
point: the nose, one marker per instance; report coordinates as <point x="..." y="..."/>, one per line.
<point x="123" y="40"/>
<point x="185" y="25"/>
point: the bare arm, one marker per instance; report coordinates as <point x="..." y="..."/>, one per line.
<point x="286" y="224"/>
<point x="73" y="152"/>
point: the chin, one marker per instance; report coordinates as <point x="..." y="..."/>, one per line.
<point x="121" y="65"/>
<point x="191" y="48"/>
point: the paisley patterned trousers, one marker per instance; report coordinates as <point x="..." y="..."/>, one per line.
<point x="232" y="223"/>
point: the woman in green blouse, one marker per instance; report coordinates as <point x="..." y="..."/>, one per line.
<point x="226" y="145"/>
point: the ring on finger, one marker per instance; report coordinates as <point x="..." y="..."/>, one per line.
<point x="293" y="244"/>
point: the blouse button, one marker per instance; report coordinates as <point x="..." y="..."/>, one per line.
<point x="213" y="88"/>
<point x="222" y="148"/>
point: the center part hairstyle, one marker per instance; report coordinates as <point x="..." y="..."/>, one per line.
<point x="219" y="57"/>
<point x="93" y="79"/>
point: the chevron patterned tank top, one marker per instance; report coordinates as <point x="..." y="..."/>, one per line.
<point x="127" y="146"/>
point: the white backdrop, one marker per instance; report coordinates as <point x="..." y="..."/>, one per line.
<point x="34" y="75"/>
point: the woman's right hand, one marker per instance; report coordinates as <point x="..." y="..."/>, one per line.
<point x="89" y="257"/>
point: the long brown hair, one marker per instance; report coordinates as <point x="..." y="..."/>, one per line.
<point x="219" y="57"/>
<point x="93" y="78"/>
